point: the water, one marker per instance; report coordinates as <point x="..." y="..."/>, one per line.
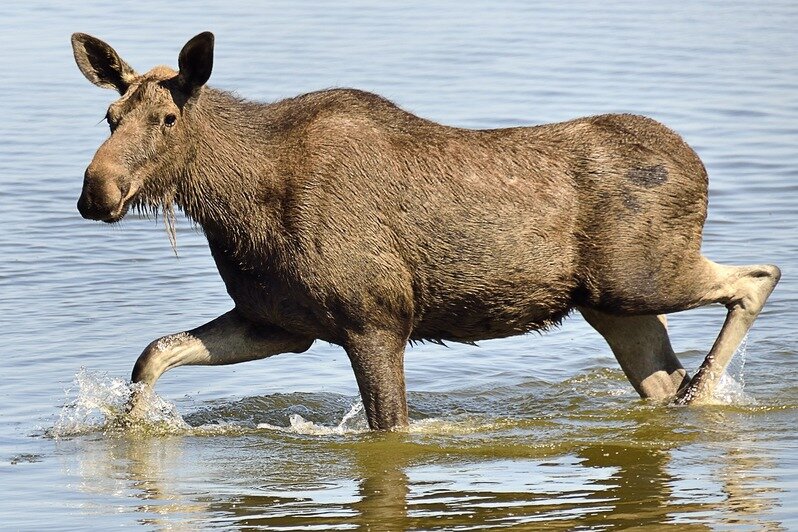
<point x="534" y="432"/>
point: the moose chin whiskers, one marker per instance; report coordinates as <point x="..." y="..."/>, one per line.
<point x="169" y="223"/>
<point x="151" y="206"/>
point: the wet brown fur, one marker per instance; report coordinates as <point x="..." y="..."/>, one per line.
<point x="336" y="215"/>
<point x="373" y="214"/>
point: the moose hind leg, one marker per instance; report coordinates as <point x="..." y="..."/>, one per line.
<point x="743" y="290"/>
<point x="643" y="349"/>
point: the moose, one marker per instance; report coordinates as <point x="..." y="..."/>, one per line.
<point x="338" y="216"/>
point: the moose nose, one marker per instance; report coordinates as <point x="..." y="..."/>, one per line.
<point x="101" y="196"/>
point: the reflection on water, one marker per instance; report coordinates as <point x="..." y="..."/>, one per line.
<point x="642" y="465"/>
<point x="391" y="482"/>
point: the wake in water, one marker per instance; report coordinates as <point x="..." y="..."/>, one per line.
<point x="353" y="422"/>
<point x="97" y="402"/>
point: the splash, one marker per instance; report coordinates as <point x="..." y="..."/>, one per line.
<point x="730" y="387"/>
<point x="460" y="425"/>
<point x="97" y="403"/>
<point x="353" y="422"/>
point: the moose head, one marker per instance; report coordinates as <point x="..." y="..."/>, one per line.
<point x="150" y="125"/>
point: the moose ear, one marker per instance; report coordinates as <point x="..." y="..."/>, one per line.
<point x="195" y="62"/>
<point x="101" y="64"/>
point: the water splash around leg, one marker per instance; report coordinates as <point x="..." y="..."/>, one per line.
<point x="97" y="402"/>
<point x="730" y="388"/>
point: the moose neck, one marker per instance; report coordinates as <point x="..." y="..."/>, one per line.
<point x="231" y="188"/>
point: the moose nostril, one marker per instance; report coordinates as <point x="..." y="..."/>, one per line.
<point x="83" y="206"/>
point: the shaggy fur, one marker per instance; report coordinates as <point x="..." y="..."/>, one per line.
<point x="336" y="215"/>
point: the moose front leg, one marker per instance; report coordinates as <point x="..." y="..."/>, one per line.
<point x="228" y="339"/>
<point x="378" y="362"/>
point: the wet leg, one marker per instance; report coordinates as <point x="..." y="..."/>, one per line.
<point x="228" y="339"/>
<point x="744" y="290"/>
<point x="378" y="362"/>
<point x="643" y="349"/>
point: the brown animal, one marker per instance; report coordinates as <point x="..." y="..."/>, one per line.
<point x="338" y="216"/>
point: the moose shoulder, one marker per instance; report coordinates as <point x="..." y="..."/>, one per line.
<point x="338" y="216"/>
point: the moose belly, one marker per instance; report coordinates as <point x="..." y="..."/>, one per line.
<point x="493" y="312"/>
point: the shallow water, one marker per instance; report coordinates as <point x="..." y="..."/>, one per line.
<point x="531" y="432"/>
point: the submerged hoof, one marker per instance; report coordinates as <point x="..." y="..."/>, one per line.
<point x="137" y="407"/>
<point x="694" y="393"/>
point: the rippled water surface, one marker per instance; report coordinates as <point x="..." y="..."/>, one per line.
<point x="535" y="432"/>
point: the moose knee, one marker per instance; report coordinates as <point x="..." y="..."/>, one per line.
<point x="145" y="368"/>
<point x="158" y="356"/>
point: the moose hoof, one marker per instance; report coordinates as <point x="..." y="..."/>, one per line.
<point x="136" y="409"/>
<point x="693" y="394"/>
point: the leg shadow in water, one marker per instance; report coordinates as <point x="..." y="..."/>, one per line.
<point x="382" y="461"/>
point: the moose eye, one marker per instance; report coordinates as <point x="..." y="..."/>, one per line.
<point x="169" y="120"/>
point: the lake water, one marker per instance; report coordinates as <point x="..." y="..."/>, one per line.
<point x="535" y="432"/>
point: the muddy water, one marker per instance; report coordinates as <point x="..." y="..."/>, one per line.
<point x="535" y="432"/>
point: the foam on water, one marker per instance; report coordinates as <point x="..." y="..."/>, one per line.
<point x="353" y="422"/>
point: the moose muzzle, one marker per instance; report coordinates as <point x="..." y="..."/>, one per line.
<point x="105" y="193"/>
